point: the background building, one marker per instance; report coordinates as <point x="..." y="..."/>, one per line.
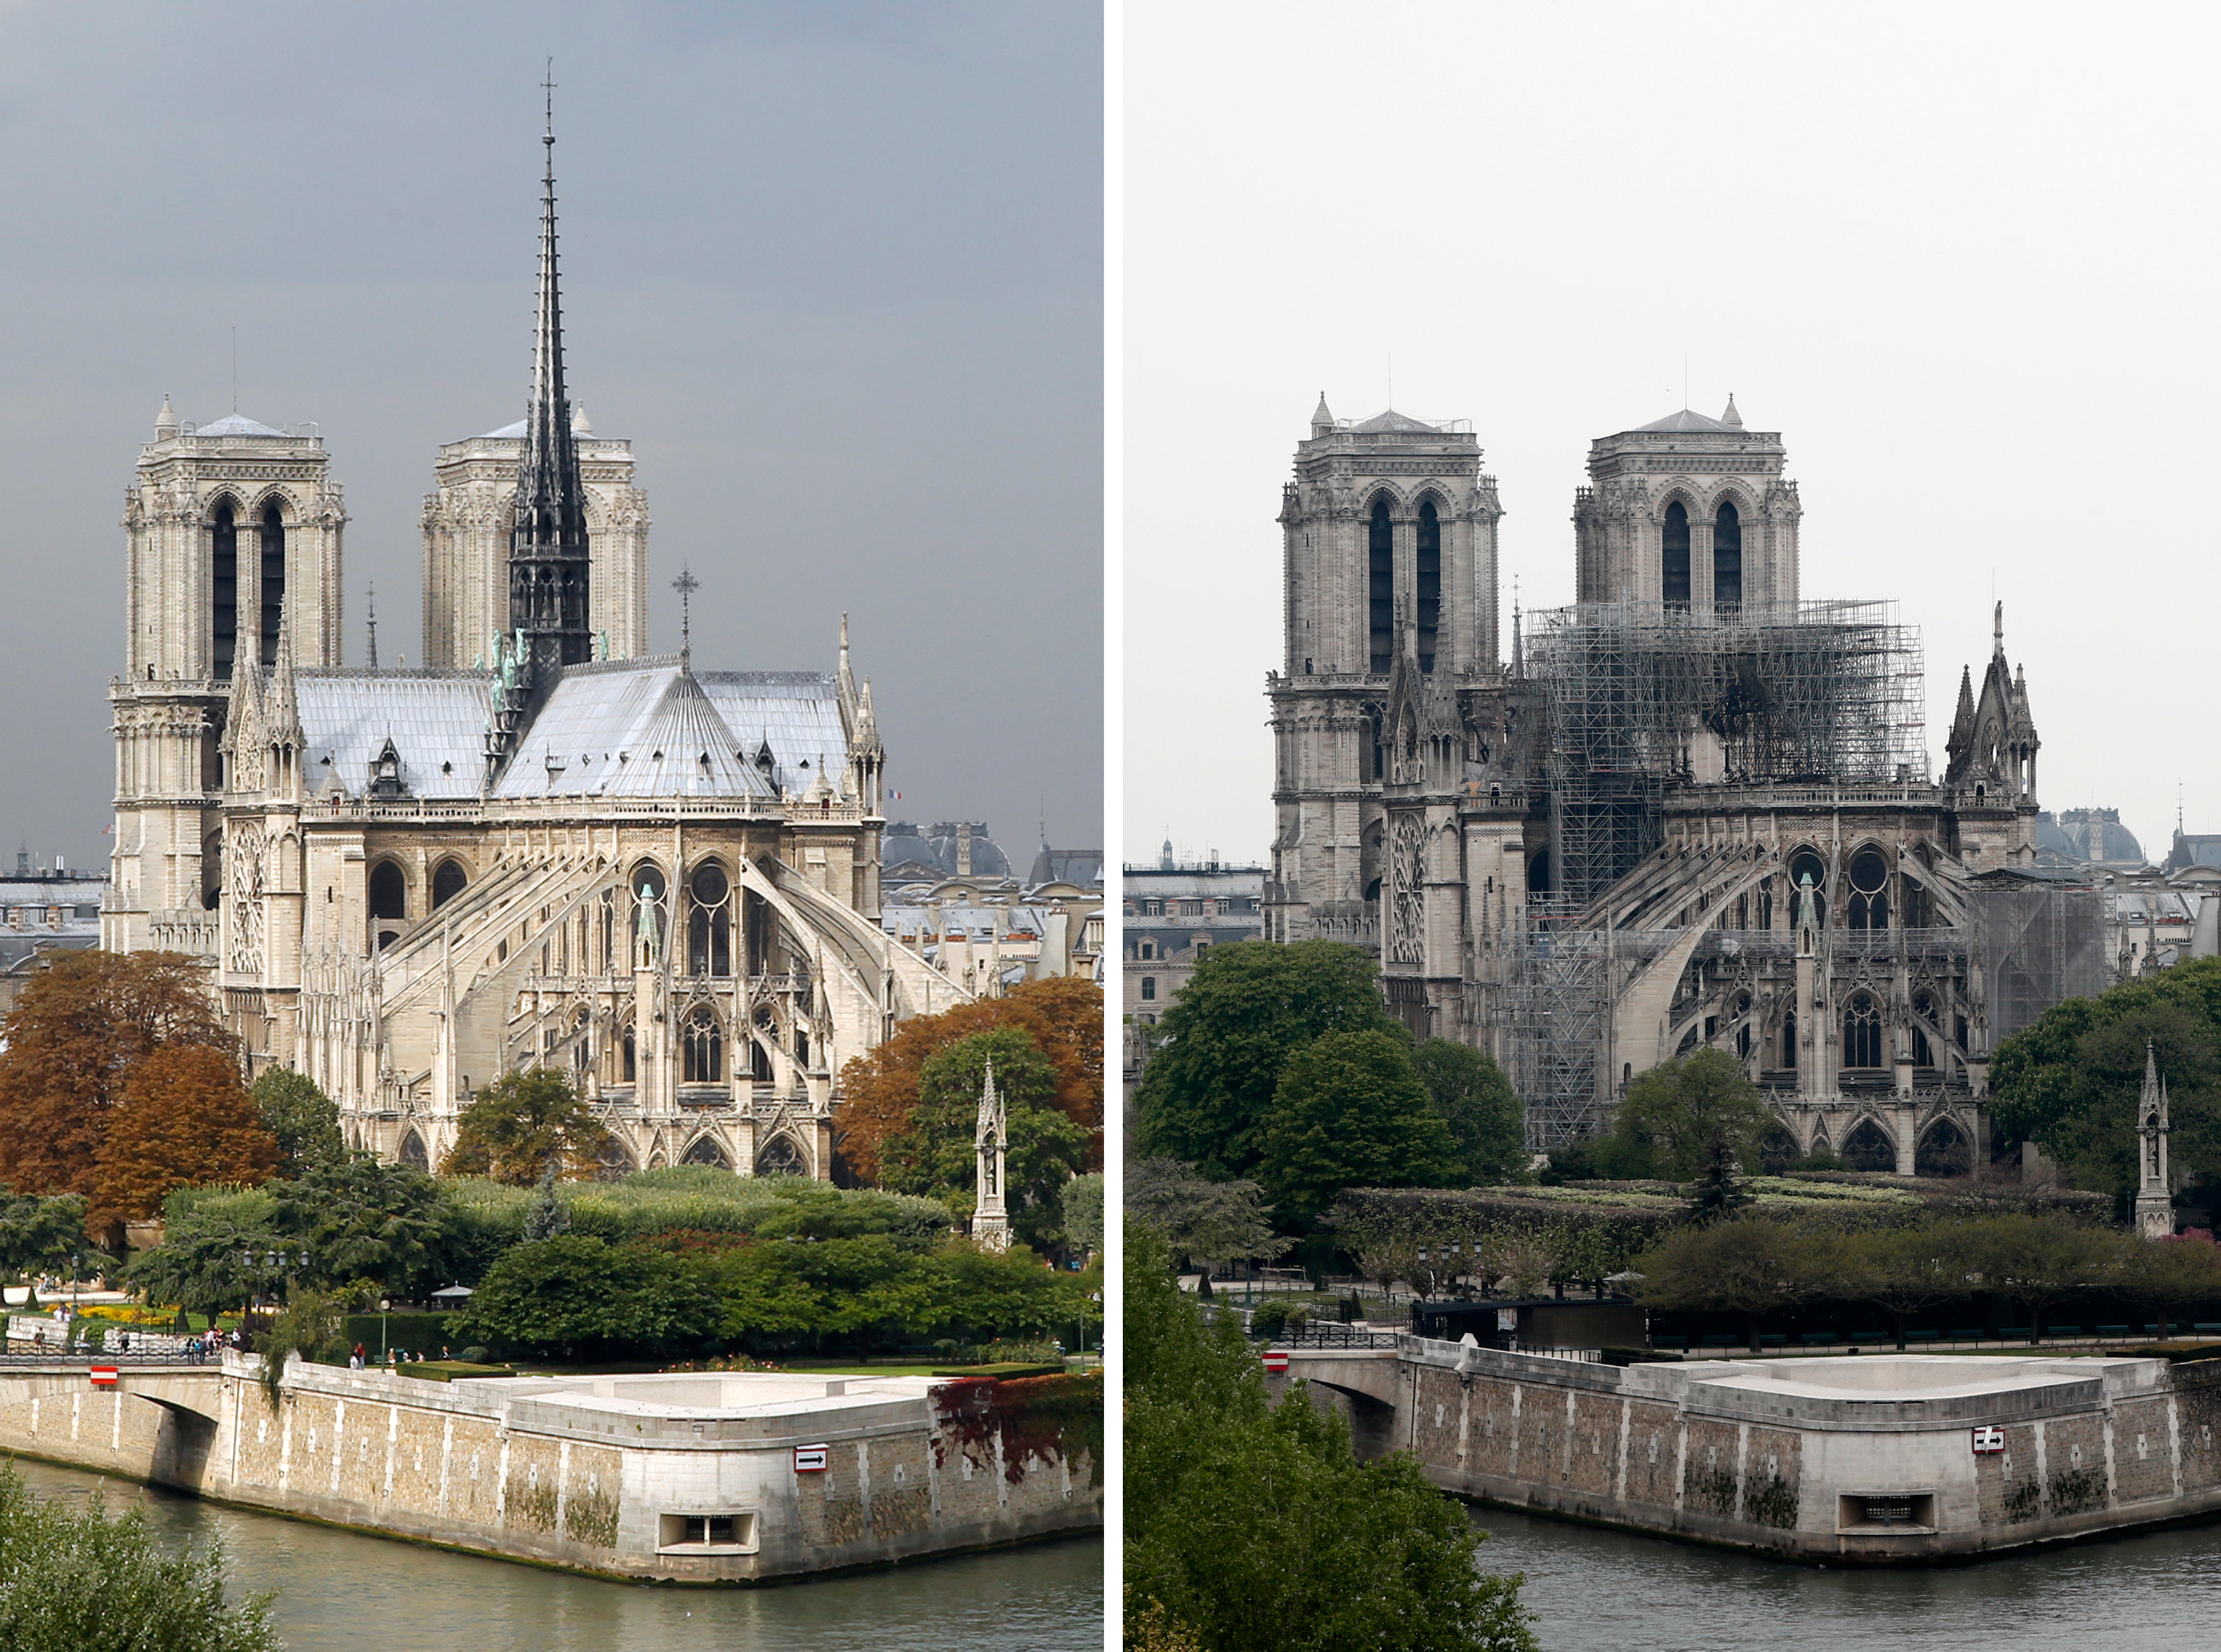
<point x="1174" y="912"/>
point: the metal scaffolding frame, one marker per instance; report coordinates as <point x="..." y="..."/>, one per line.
<point x="1641" y="695"/>
<point x="2039" y="947"/>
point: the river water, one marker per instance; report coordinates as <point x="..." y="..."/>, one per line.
<point x="1596" y="1590"/>
<point x="339" y="1590"/>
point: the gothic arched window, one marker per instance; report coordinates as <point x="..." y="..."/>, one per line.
<point x="705" y="1151"/>
<point x="709" y="922"/>
<point x="1430" y="583"/>
<point x="1869" y="902"/>
<point x="1380" y="574"/>
<point x="631" y="1058"/>
<point x="1727" y="556"/>
<point x="273" y="580"/>
<point x="223" y="574"/>
<point x="389" y="890"/>
<point x="703" y="1042"/>
<point x="1863" y="1033"/>
<point x="448" y="883"/>
<point x="781" y="1157"/>
<point x="1789" y="1039"/>
<point x="412" y="1152"/>
<point x="1676" y="543"/>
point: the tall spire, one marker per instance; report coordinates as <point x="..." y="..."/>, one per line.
<point x="547" y="568"/>
<point x="372" y="660"/>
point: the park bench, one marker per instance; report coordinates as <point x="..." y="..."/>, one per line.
<point x="2012" y="1333"/>
<point x="1817" y="1338"/>
<point x="2122" y="1331"/>
<point x="1923" y="1335"/>
<point x="1772" y="1339"/>
<point x="2059" y="1332"/>
<point x="1969" y="1334"/>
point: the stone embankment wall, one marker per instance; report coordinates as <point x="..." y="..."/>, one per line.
<point x="506" y="1469"/>
<point x="2090" y="1446"/>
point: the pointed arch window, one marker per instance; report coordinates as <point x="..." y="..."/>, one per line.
<point x="448" y="883"/>
<point x="1380" y="576"/>
<point x="1676" y="543"/>
<point x="1727" y="556"/>
<point x="1863" y="1033"/>
<point x="703" y="1057"/>
<point x="274" y="580"/>
<point x="223" y="576"/>
<point x="709" y="922"/>
<point x="1430" y="583"/>
<point x="1789" y="1041"/>
<point x="389" y="890"/>
<point x="1869" y="902"/>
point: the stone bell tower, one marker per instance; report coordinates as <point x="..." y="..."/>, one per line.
<point x="232" y="537"/>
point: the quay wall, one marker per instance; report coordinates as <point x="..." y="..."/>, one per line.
<point x="512" y="1468"/>
<point x="1736" y="1453"/>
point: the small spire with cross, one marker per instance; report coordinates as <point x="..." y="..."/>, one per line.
<point x="685" y="584"/>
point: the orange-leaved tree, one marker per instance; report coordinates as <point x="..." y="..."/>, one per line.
<point x="82" y="1024"/>
<point x="185" y="1121"/>
<point x="1063" y="1014"/>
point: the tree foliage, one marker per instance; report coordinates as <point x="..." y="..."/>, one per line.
<point x="1062" y="1015"/>
<point x="579" y="1296"/>
<point x="935" y="1156"/>
<point x="185" y="1121"/>
<point x="304" y="1121"/>
<point x="1488" y="1126"/>
<point x="36" y="1233"/>
<point x="84" y="1022"/>
<point x="1206" y="1221"/>
<point x="75" y="1578"/>
<point x="1748" y="1265"/>
<point x="1349" y="1111"/>
<point x="368" y="1222"/>
<point x="521" y="1123"/>
<point x="1250" y="1526"/>
<point x="1674" y="1112"/>
<point x="1210" y="1091"/>
<point x="1083" y="1213"/>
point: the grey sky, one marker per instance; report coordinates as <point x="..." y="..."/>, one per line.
<point x="834" y="269"/>
<point x="1961" y="257"/>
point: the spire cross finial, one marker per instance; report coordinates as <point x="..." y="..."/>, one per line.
<point x="548" y="86"/>
<point x="685" y="584"/>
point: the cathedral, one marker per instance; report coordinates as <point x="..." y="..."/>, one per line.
<point x="543" y="845"/>
<point x="1691" y="809"/>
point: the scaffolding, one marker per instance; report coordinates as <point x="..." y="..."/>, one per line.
<point x="2039" y="946"/>
<point x="1640" y="696"/>
<point x="1558" y="1009"/>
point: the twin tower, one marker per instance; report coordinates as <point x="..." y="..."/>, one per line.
<point x="1392" y="529"/>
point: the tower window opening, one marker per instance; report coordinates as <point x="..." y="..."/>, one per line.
<point x="1675" y="544"/>
<point x="224" y="566"/>
<point x="1430" y="583"/>
<point x="273" y="580"/>
<point x="1380" y="563"/>
<point x="1727" y="556"/>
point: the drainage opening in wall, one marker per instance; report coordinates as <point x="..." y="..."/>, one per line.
<point x="706" y="1534"/>
<point x="1886" y="1511"/>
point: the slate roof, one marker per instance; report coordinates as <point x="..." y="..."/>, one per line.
<point x="437" y="720"/>
<point x="642" y="730"/>
<point x="235" y="424"/>
<point x="1391" y="419"/>
<point x="1686" y="420"/>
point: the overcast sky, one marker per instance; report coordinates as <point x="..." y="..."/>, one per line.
<point x="1961" y="257"/>
<point x="836" y="270"/>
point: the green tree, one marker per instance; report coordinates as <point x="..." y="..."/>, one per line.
<point x="1718" y="1191"/>
<point x="522" y="1123"/>
<point x="578" y="1297"/>
<point x="1674" y="1111"/>
<point x="2038" y="1258"/>
<point x="211" y="1257"/>
<point x="1488" y="1127"/>
<point x="368" y="1221"/>
<point x="1083" y="1213"/>
<point x="934" y="1157"/>
<point x="38" y="1233"/>
<point x="1206" y="1221"/>
<point x="74" y="1578"/>
<point x="303" y="1119"/>
<point x="1208" y="1097"/>
<point x="1351" y="1112"/>
<point x="2172" y="1275"/>
<point x="1748" y="1265"/>
<point x="1252" y="1524"/>
<point x="1903" y="1270"/>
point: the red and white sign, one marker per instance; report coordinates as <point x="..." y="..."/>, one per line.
<point x="104" y="1376"/>
<point x="1276" y="1361"/>
<point x="812" y="1459"/>
<point x="1988" y="1440"/>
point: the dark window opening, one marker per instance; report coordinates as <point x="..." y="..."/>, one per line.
<point x="1148" y="988"/>
<point x="274" y="581"/>
<point x="1727" y="556"/>
<point x="448" y="883"/>
<point x="705" y="1151"/>
<point x="703" y="1050"/>
<point x="1538" y="873"/>
<point x="709" y="923"/>
<point x="1676" y="544"/>
<point x="1789" y="1041"/>
<point x="631" y="1059"/>
<point x="1869" y="903"/>
<point x="1430" y="583"/>
<point x="413" y="1154"/>
<point x="1380" y="562"/>
<point x="224" y="575"/>
<point x="389" y="890"/>
<point x="1863" y="1034"/>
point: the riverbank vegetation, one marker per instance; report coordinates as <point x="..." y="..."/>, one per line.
<point x="1251" y="1527"/>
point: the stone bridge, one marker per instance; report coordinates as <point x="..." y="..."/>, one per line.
<point x="156" y="1421"/>
<point x="1367" y="1385"/>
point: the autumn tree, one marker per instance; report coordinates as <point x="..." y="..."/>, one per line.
<point x="84" y="1023"/>
<point x="522" y="1123"/>
<point x="1062" y="1015"/>
<point x="185" y="1121"/>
